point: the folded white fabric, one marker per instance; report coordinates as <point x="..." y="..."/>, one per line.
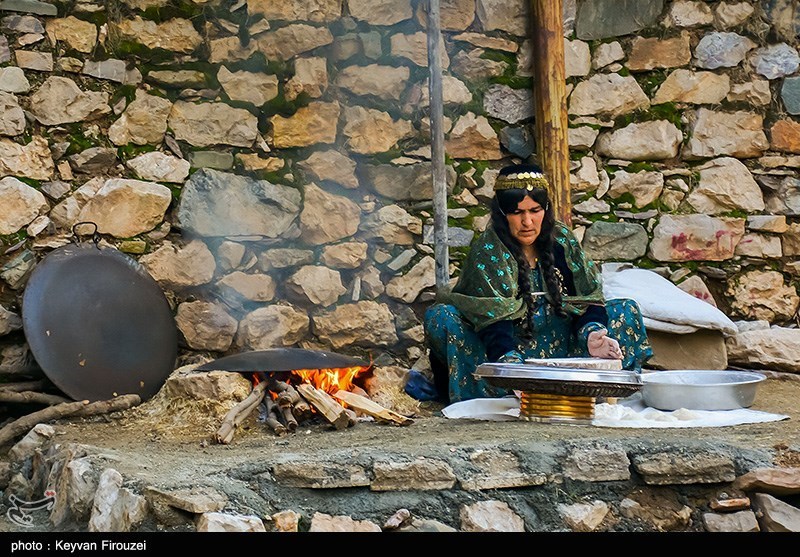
<point x="629" y="412"/>
<point x="666" y="307"/>
<point x="666" y="327"/>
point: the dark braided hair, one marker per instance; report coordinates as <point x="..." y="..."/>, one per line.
<point x="506" y="201"/>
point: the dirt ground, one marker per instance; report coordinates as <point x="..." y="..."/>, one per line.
<point x="151" y="445"/>
<point x="154" y="451"/>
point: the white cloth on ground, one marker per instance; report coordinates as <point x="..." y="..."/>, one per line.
<point x="628" y="412"/>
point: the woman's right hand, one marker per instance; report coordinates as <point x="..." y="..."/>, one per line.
<point x="601" y="345"/>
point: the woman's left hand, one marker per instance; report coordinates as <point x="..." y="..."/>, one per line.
<point x="600" y="345"/>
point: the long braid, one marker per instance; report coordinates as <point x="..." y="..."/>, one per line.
<point x="552" y="280"/>
<point x="500" y="225"/>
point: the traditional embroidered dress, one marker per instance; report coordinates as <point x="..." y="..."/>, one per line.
<point x="485" y="299"/>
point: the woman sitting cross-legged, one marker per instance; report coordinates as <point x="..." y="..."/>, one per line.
<point x="526" y="290"/>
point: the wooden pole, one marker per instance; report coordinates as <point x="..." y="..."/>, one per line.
<point x="550" y="100"/>
<point x="440" y="248"/>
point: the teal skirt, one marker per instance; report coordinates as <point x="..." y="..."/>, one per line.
<point x="456" y="350"/>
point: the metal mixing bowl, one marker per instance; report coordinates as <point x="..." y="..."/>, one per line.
<point x="699" y="389"/>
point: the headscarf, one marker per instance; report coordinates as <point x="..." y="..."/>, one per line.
<point x="487" y="290"/>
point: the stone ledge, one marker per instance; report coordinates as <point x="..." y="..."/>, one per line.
<point x="615" y="486"/>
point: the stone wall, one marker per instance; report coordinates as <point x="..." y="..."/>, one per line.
<point x="268" y="162"/>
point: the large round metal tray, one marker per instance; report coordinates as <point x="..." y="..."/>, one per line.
<point x="700" y="389"/>
<point x="98" y="324"/>
<point x="562" y="381"/>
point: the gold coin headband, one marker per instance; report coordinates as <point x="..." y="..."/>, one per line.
<point x="522" y="181"/>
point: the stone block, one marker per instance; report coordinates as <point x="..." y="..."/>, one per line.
<point x="703" y="349"/>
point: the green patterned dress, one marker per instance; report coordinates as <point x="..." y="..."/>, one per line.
<point x="486" y="293"/>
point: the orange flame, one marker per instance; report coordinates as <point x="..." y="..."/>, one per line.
<point x="332" y="379"/>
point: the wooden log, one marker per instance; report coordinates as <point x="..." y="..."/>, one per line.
<point x="22" y="425"/>
<point x="277" y="386"/>
<point x="359" y="391"/>
<point x="301" y="409"/>
<point x="289" y="396"/>
<point x="281" y="415"/>
<point x="116" y="404"/>
<point x="238" y="413"/>
<point x="288" y="417"/>
<point x="23" y="386"/>
<point x="273" y="384"/>
<point x="352" y="417"/>
<point x="372" y="408"/>
<point x="31" y="397"/>
<point x="243" y="413"/>
<point x="550" y="101"/>
<point x="325" y="404"/>
<point x="271" y="417"/>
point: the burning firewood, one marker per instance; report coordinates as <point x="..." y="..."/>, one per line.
<point x="282" y="413"/>
<point x="326" y="405"/>
<point x="238" y="413"/>
<point x="272" y="414"/>
<point x="371" y="408"/>
<point x="288" y="417"/>
<point x="351" y="416"/>
<point x="359" y="391"/>
<point x="288" y="397"/>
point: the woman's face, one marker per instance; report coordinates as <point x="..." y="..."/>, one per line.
<point x="526" y="222"/>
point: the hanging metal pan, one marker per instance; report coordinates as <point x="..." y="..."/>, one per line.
<point x="98" y="324"/>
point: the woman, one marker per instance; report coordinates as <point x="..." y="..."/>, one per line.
<point x="526" y="290"/>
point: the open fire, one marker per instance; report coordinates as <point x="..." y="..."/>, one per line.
<point x="332" y="380"/>
<point x="286" y="399"/>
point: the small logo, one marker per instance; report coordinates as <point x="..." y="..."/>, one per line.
<point x="19" y="512"/>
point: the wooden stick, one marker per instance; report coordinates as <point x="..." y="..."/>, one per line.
<point x="288" y="417"/>
<point x="436" y="105"/>
<point x="122" y="402"/>
<point x="352" y="417"/>
<point x="24" y="424"/>
<point x="23" y="386"/>
<point x="372" y="408"/>
<point x="238" y="413"/>
<point x="288" y="396"/>
<point x="300" y="407"/>
<point x="278" y="386"/>
<point x="227" y="435"/>
<point x="31" y="397"/>
<point x="359" y="391"/>
<point x="272" y="417"/>
<point x="272" y="384"/>
<point x="325" y="405"/>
